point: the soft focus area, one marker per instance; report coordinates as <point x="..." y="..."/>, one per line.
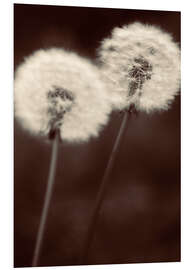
<point x="140" y="218"/>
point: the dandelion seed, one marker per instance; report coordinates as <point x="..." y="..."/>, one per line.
<point x="58" y="93"/>
<point x="141" y="65"/>
<point x="55" y="89"/>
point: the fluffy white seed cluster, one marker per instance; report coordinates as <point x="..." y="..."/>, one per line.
<point x="141" y="65"/>
<point x="55" y="89"/>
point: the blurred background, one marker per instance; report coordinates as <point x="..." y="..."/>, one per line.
<point x="140" y="217"/>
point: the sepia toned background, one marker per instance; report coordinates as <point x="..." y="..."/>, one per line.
<point x="140" y="219"/>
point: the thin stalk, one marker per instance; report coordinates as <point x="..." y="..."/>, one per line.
<point x="103" y="188"/>
<point x="47" y="200"/>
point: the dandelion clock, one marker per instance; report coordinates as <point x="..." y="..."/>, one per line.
<point x="58" y="90"/>
<point x="140" y="65"/>
<point x="59" y="95"/>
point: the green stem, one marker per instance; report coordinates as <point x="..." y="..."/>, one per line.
<point x="102" y="190"/>
<point x="47" y="200"/>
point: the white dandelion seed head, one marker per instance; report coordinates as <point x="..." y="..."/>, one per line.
<point x="141" y="65"/>
<point x="55" y="89"/>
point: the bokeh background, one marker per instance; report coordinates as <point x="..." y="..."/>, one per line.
<point x="140" y="218"/>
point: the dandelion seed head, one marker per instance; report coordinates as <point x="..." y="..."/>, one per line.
<point x="141" y="65"/>
<point x="55" y="89"/>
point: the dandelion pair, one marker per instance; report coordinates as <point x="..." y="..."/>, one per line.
<point x="59" y="94"/>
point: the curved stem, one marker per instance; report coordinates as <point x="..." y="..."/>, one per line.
<point x="47" y="200"/>
<point x="103" y="188"/>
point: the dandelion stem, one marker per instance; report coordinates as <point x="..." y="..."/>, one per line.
<point x="48" y="195"/>
<point x="103" y="188"/>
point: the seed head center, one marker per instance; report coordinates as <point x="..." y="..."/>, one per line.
<point x="60" y="102"/>
<point x="138" y="74"/>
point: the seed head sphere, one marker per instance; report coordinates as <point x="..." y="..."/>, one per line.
<point x="141" y="66"/>
<point x="56" y="89"/>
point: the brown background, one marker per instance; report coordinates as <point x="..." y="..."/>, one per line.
<point x="140" y="220"/>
